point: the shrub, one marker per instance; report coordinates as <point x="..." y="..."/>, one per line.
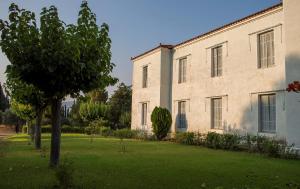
<point x="25" y="129"/>
<point x="64" y="129"/>
<point x="125" y="120"/>
<point x="106" y="131"/>
<point x="213" y="140"/>
<point x="125" y="133"/>
<point x="230" y="141"/>
<point x="185" y="138"/>
<point x="64" y="174"/>
<point x="161" y="122"/>
<point x="272" y="147"/>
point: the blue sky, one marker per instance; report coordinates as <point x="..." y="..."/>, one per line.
<point x="138" y="25"/>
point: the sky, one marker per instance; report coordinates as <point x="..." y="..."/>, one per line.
<point x="139" y="25"/>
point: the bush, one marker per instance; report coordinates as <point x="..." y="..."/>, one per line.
<point x="185" y="138"/>
<point x="64" y="129"/>
<point x="106" y="131"/>
<point x="25" y="129"/>
<point x="230" y="141"/>
<point x="213" y="140"/>
<point x="161" y="122"/>
<point x="125" y="133"/>
<point x="125" y="120"/>
<point x="64" y="174"/>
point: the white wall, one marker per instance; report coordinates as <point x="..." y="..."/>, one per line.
<point x="241" y="82"/>
<point x="292" y="60"/>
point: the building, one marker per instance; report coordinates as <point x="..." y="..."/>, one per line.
<point x="233" y="78"/>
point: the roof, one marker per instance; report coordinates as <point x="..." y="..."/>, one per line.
<point x="157" y="47"/>
<point x="212" y="31"/>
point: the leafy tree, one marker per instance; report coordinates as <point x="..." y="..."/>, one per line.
<point x="29" y="103"/>
<point x="90" y="111"/>
<point x="120" y="102"/>
<point x="24" y="112"/>
<point x="57" y="59"/>
<point x="125" y="120"/>
<point x="161" y="122"/>
<point x="98" y="95"/>
<point x="4" y="104"/>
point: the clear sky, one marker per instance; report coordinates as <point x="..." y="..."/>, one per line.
<point x="139" y="25"/>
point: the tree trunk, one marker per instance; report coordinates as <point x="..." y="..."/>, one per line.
<point x="38" y="130"/>
<point x="55" y="136"/>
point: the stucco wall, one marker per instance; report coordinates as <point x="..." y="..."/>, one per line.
<point x="292" y="60"/>
<point x="149" y="95"/>
<point x="241" y="82"/>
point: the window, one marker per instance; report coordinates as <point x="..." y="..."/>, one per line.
<point x="216" y="61"/>
<point x="144" y="114"/>
<point x="182" y="70"/>
<point x="267" y="113"/>
<point x="216" y="113"/>
<point x="181" y="115"/>
<point x="266" y="49"/>
<point x="145" y="76"/>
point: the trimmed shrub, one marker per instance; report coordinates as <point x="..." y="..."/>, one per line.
<point x="213" y="140"/>
<point x="230" y="141"/>
<point x="64" y="129"/>
<point x="125" y="133"/>
<point x="185" y="138"/>
<point x="161" y="122"/>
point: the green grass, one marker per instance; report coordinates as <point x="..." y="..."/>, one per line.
<point x="144" y="165"/>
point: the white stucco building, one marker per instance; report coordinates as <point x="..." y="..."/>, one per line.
<point x="231" y="78"/>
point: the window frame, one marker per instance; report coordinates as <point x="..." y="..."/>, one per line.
<point x="217" y="61"/>
<point x="214" y="120"/>
<point x="262" y="128"/>
<point x="145" y="77"/>
<point x="182" y="70"/>
<point x="181" y="115"/>
<point x="270" y="61"/>
<point x="144" y="112"/>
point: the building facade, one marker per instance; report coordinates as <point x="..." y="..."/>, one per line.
<point x="233" y="78"/>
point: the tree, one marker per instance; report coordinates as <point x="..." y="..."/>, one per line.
<point x="98" y="95"/>
<point x="24" y="112"/>
<point x="57" y="59"/>
<point x="4" y="104"/>
<point x="119" y="102"/>
<point x="27" y="101"/>
<point x="295" y="87"/>
<point x="90" y="111"/>
<point x="161" y="122"/>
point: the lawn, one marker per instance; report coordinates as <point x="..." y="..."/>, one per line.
<point x="144" y="164"/>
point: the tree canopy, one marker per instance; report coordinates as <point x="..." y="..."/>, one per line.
<point x="56" y="58"/>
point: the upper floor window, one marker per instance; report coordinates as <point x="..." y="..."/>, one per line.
<point x="182" y="70"/>
<point x="267" y="113"/>
<point x="266" y="49"/>
<point x="145" y="76"/>
<point x="216" y="56"/>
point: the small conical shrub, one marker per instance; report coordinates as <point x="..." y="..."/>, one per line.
<point x="161" y="122"/>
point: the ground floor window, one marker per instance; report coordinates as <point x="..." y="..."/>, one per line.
<point x="267" y="113"/>
<point x="144" y="114"/>
<point x="216" y="113"/>
<point x="181" y="116"/>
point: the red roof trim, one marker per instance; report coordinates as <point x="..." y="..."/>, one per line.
<point x="212" y="31"/>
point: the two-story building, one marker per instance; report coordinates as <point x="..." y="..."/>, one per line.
<point x="232" y="78"/>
